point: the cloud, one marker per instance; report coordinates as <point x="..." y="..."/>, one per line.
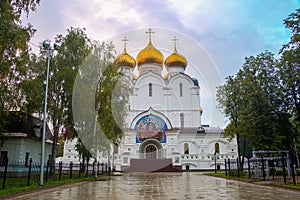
<point x="227" y="30"/>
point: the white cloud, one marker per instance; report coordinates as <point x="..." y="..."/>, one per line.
<point x="227" y="30"/>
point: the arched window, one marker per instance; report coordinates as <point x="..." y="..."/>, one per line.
<point x="180" y="90"/>
<point x="186" y="148"/>
<point x="217" y="148"/>
<point x="150" y="89"/>
<point x="181" y="120"/>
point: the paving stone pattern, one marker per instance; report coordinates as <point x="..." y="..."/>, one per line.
<point x="164" y="186"/>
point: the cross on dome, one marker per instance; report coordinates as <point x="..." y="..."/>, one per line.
<point x="174" y="39"/>
<point x="150" y="32"/>
<point x="125" y="40"/>
<point x="124" y="59"/>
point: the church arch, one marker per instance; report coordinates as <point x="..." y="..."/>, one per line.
<point x="151" y="149"/>
<point x="180" y="75"/>
<point x="155" y="78"/>
<point x="151" y="111"/>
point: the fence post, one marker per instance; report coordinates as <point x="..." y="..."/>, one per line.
<point x="47" y="170"/>
<point x="102" y="168"/>
<point x="29" y="171"/>
<point x="238" y="167"/>
<point x="263" y="168"/>
<point x="79" y="173"/>
<point x="249" y="172"/>
<point x="109" y="170"/>
<point x="225" y="168"/>
<point x="93" y="172"/>
<point x="292" y="168"/>
<point x="5" y="172"/>
<point x="60" y="169"/>
<point x="283" y="167"/>
<point x="71" y="169"/>
<point x="87" y="169"/>
<point x="229" y="172"/>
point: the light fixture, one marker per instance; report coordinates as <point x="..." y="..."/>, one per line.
<point x="47" y="47"/>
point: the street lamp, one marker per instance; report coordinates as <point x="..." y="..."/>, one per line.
<point x="49" y="50"/>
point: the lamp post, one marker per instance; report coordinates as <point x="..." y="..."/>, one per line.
<point x="47" y="47"/>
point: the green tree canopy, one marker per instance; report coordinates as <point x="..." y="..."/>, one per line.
<point x="262" y="101"/>
<point x="14" y="52"/>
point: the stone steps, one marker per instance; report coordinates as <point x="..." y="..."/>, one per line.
<point x="151" y="165"/>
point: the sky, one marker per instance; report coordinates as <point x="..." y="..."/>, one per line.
<point x="215" y="36"/>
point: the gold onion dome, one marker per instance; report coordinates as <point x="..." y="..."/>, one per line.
<point x="176" y="59"/>
<point x="124" y="59"/>
<point x="149" y="54"/>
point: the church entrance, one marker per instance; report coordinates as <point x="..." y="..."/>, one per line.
<point x="151" y="149"/>
<point x="151" y="152"/>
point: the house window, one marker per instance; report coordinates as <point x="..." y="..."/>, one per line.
<point x="186" y="148"/>
<point x="4" y="157"/>
<point x="27" y="159"/>
<point x="125" y="160"/>
<point x="150" y="89"/>
<point x="217" y="148"/>
<point x="180" y="89"/>
<point x="181" y="120"/>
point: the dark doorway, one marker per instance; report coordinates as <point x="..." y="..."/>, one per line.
<point x="187" y="168"/>
<point x="151" y="152"/>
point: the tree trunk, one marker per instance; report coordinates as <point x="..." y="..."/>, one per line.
<point x="238" y="147"/>
<point x="243" y="154"/>
<point x="54" y="151"/>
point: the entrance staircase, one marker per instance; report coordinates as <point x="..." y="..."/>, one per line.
<point x="152" y="165"/>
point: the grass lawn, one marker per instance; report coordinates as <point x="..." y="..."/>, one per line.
<point x="13" y="188"/>
<point x="257" y="180"/>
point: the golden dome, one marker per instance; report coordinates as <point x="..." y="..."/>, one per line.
<point x="149" y="54"/>
<point x="124" y="59"/>
<point x="175" y="59"/>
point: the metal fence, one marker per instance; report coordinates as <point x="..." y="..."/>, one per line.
<point x="276" y="166"/>
<point x="21" y="174"/>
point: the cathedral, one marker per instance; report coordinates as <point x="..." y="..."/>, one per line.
<point x="164" y="130"/>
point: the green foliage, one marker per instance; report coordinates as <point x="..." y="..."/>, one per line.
<point x="113" y="100"/>
<point x="253" y="100"/>
<point x="289" y="71"/>
<point x="14" y="51"/>
<point x="262" y="100"/>
<point x="83" y="152"/>
<point x="103" y="90"/>
<point x="75" y="47"/>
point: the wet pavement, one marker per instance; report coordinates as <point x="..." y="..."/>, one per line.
<point x="163" y="186"/>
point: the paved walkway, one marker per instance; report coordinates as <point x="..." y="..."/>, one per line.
<point x="164" y="186"/>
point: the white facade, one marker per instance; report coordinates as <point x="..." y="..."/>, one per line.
<point x="20" y="148"/>
<point x="164" y="121"/>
